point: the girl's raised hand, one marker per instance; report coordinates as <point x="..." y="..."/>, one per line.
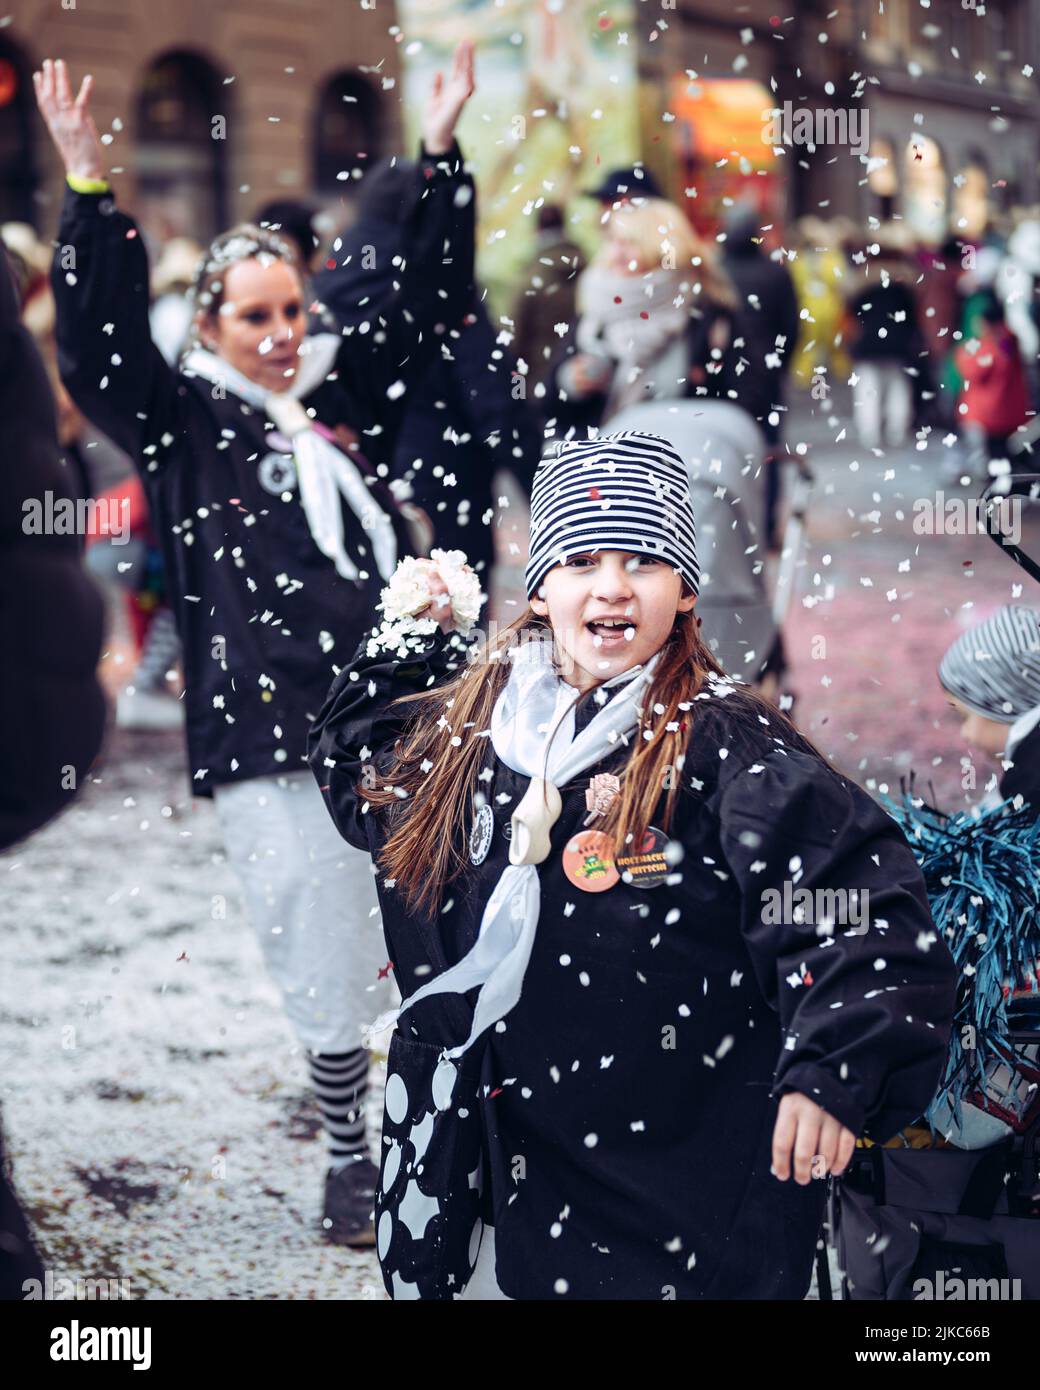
<point x="447" y="99"/>
<point x="69" y="121"/>
<point x="819" y="1142"/>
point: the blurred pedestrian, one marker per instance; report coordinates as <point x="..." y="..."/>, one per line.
<point x="1017" y="283"/>
<point x="938" y="303"/>
<point x="994" y="398"/>
<point x="654" y="320"/>
<point x="818" y="273"/>
<point x="884" y="347"/>
<point x="766" y="326"/>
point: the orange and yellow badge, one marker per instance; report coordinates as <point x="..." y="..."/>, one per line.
<point x="588" y="861"/>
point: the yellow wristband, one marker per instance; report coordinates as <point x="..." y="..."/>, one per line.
<point x="80" y="185"/>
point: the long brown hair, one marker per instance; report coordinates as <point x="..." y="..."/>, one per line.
<point x="431" y="789"/>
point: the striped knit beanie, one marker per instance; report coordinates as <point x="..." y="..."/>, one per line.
<point x="626" y="491"/>
<point x="994" y="667"/>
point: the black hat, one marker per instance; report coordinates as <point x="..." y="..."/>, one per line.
<point x="633" y="181"/>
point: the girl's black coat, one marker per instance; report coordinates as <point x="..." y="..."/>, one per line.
<point x="264" y="618"/>
<point x="665" y="1022"/>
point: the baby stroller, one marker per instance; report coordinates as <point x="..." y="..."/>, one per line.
<point x="724" y="451"/>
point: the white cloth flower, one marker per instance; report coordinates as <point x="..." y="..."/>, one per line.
<point x="408" y="593"/>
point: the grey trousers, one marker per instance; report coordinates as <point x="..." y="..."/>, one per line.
<point x="311" y="900"/>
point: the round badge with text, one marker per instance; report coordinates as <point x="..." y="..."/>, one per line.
<point x="588" y="861"/>
<point x="643" y="865"/>
<point x="480" y="835"/>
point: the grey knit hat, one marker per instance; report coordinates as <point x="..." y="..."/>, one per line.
<point x="994" y="667"/>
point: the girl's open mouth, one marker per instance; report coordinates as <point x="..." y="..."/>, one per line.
<point x="612" y="633"/>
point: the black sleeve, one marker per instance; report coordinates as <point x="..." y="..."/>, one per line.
<point x="505" y="424"/>
<point x="356" y="727"/>
<point x="52" y="710"/>
<point x="866" y="1003"/>
<point x="106" y="357"/>
<point x="386" y="356"/>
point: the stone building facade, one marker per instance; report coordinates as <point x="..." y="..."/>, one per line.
<point x="213" y="106"/>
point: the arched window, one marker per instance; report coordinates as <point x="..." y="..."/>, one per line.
<point x="182" y="129"/>
<point x="17" y="166"/>
<point x="347" y="135"/>
<point x="925" y="204"/>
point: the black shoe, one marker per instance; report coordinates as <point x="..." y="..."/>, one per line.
<point x="350" y="1195"/>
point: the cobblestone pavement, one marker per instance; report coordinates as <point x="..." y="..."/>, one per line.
<point x="154" y="1098"/>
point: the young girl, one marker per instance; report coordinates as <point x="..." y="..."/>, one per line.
<point x="617" y="1032"/>
<point x="276" y="532"/>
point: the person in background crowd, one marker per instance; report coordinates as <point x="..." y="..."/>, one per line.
<point x="765" y="326"/>
<point x="466" y="421"/>
<point x="128" y="558"/>
<point x="994" y="397"/>
<point x="938" y="303"/>
<point x="547" y="297"/>
<point x="1018" y="285"/>
<point x="818" y="273"/>
<point x="275" y="541"/>
<point x="653" y="319"/>
<point x="52" y="710"/>
<point x="885" y="344"/>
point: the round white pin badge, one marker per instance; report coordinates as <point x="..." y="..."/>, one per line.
<point x="480" y="835"/>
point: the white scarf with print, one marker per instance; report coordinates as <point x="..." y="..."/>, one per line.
<point x="325" y="473"/>
<point x="532" y="731"/>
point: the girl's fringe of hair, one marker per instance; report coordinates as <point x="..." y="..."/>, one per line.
<point x="443" y="760"/>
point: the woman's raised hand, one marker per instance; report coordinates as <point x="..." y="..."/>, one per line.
<point x="447" y="99"/>
<point x="69" y="121"/>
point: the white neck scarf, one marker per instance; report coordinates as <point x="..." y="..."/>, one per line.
<point x="523" y="726"/>
<point x="325" y="472"/>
